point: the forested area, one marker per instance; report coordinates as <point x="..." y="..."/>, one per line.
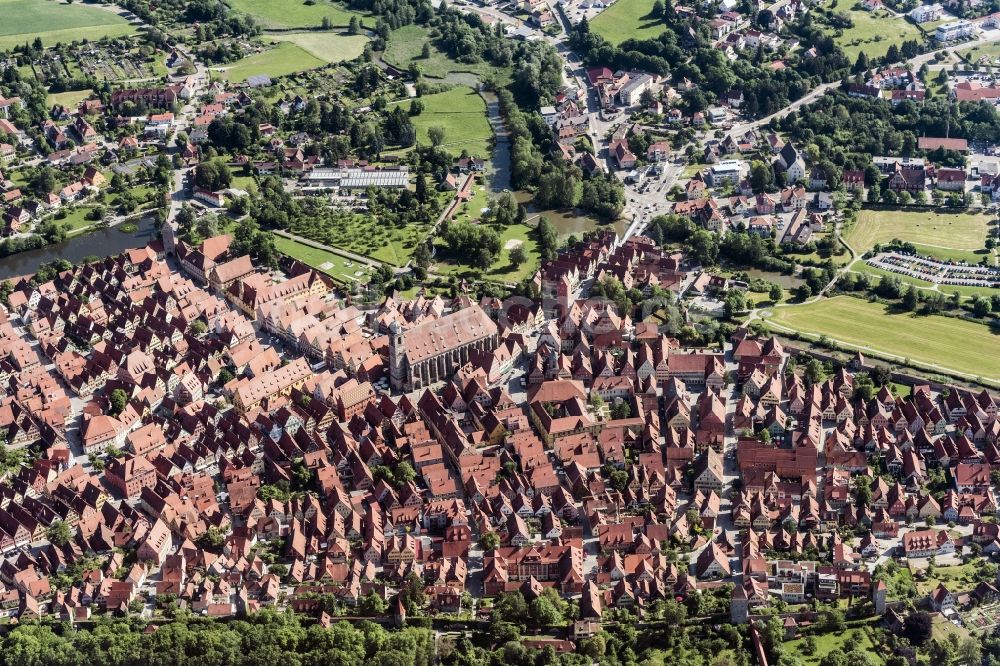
<point x="265" y="639"/>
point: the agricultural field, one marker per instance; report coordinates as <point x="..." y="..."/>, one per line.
<point x="297" y="14"/>
<point x="462" y="114"/>
<point x="56" y="22"/>
<point x="334" y="265"/>
<point x="932" y="340"/>
<point x="627" y="19"/>
<point x="406" y="44"/>
<point x="284" y="58"/>
<point x="330" y="47"/>
<point x="957" y="236"/>
<point x="869" y="33"/>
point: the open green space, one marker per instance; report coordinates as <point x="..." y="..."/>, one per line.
<point x="950" y="343"/>
<point x="406" y="44"/>
<point x="515" y="235"/>
<point x="990" y="51"/>
<point x="960" y="578"/>
<point x="828" y="642"/>
<point x="328" y="46"/>
<point x="946" y="235"/>
<point x="473" y="208"/>
<point x="282" y="59"/>
<point x="24" y="20"/>
<point x="334" y="265"/>
<point x="462" y="114"/>
<point x="76" y="220"/>
<point x="295" y="13"/>
<point x="69" y="99"/>
<point x="874" y="33"/>
<point x="628" y="19"/>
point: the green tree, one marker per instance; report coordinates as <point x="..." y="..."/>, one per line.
<point x="58" y="533"/>
<point x="118" y="400"/>
<point x="436" y="134"/>
<point x="517" y="256"/>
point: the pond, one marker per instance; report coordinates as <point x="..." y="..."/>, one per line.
<point x="568" y="222"/>
<point x="784" y="281"/>
<point x="101" y="243"/>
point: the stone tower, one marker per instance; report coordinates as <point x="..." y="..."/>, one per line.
<point x="397" y="360"/>
<point x="739" y="605"/>
<point x="878" y="597"/>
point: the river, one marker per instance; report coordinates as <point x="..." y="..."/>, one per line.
<point x="100" y="243"/>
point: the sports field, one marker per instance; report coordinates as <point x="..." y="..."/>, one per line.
<point x="296" y="13"/>
<point x="627" y="19"/>
<point x="327" y="46"/>
<point x="284" y="58"/>
<point x="462" y="114"/>
<point x="950" y="343"/>
<point x="956" y="236"/>
<point x="874" y="33"/>
<point x="23" y="20"/>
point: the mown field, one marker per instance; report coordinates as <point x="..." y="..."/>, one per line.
<point x="296" y="14"/>
<point x="281" y="59"/>
<point x="337" y="267"/>
<point x="24" y="20"/>
<point x="951" y="343"/>
<point x="950" y="236"/>
<point x="329" y="47"/>
<point x="627" y="19"/>
<point x="462" y="114"/>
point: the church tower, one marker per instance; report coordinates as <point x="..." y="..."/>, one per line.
<point x="397" y="360"/>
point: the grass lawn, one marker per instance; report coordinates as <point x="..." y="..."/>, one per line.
<point x="70" y="99"/>
<point x="627" y="19"/>
<point x="76" y="221"/>
<point x="870" y="31"/>
<point x="296" y="13"/>
<point x="959" y="235"/>
<point x="329" y="47"/>
<point x="405" y="46"/>
<point x="462" y="114"/>
<point x="473" y="208"/>
<point x="284" y="58"/>
<point x="953" y="343"/>
<point x="337" y="267"/>
<point x="827" y="643"/>
<point x="56" y="22"/>
<point x="501" y="271"/>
